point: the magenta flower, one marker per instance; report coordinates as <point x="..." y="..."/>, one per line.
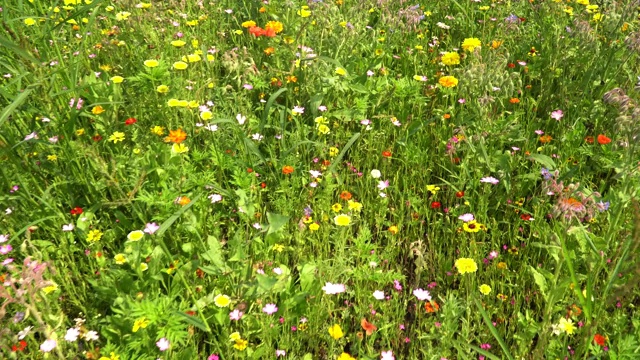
<point x="557" y="115"/>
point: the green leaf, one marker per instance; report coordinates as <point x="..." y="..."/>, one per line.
<point x="493" y="330"/>
<point x="192" y="321"/>
<point x="214" y="254"/>
<point x="167" y="223"/>
<point x="276" y="222"/>
<point x="266" y="283"/>
<point x="539" y="280"/>
<point x="338" y="160"/>
<point x="544" y="160"/>
<point x="7" y="111"/>
<point x="307" y="276"/>
<point x="267" y="107"/>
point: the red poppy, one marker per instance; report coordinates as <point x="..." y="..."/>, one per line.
<point x="435" y="205"/>
<point x="460" y="194"/>
<point x="455" y="160"/>
<point x="603" y="139"/>
<point x="200" y="273"/>
<point x="386" y="153"/>
<point x="130" y="121"/>
<point x="256" y="31"/>
<point x="270" y="32"/>
<point x="76" y="211"/>
<point x="368" y="327"/>
<point x="599" y="339"/>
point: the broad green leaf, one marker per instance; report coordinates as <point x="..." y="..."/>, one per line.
<point x="276" y="222"/>
<point x="543" y="160"/>
<point x="307" y="276"/>
<point x="191" y="320"/>
<point x="540" y="281"/>
<point x="214" y="254"/>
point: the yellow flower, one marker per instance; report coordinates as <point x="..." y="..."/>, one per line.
<point x="120" y="259"/>
<point x="333" y="151"/>
<point x="94" y="235"/>
<point x="450" y="58"/>
<point x="235" y="336"/>
<point x="173" y="102"/>
<point x="335" y="331"/>
<point x="278" y="247"/>
<point x="342" y="220"/>
<point x="222" y="300"/>
<point x="158" y="130"/>
<point x="192" y="22"/>
<point x="135" y="235"/>
<point x="471" y="226"/>
<point x="53" y="157"/>
<point x="484" y="8"/>
<point x="116" y="136"/>
<point x="193" y="104"/>
<point x="144" y="5"/>
<point x="179" y="148"/>
<point x="117" y="79"/>
<point x="567" y="326"/>
<point x="336" y="207"/>
<point x="97" y="110"/>
<point x="144" y="267"/>
<point x="393" y="229"/>
<point x="323" y="129"/>
<point x="275" y="25"/>
<point x="248" y="24"/>
<point x="448" y="81"/>
<point x="206" y="115"/>
<point x="598" y="17"/>
<point x="354" y="206"/>
<point x="433" y="189"/>
<point x="469" y="44"/>
<point x="112" y="357"/>
<point x="304" y="11"/>
<point x="162" y="89"/>
<point x="210" y="58"/>
<point x="583" y="2"/>
<point x="140" y="323"/>
<point x="178" y="43"/>
<point x="466" y="265"/>
<point x="192" y="58"/>
<point x="110" y="8"/>
<point x="29" y="21"/>
<point x="340" y="71"/>
<point x="151" y="63"/>
<point x="123" y="15"/>
<point x="345" y="356"/>
<point x="51" y="288"/>
<point x="180" y="65"/>
<point x="485" y="289"/>
<point x="80" y="132"/>
<point x="240" y="344"/>
<point x="314" y="227"/>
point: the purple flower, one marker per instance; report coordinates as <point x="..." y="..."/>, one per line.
<point x="270" y="309"/>
<point x="247" y="86"/>
<point x="397" y="285"/>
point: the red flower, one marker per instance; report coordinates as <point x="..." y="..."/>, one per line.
<point x="525" y="217"/>
<point x="97" y="138"/>
<point x="269" y="32"/>
<point x="130" y="121"/>
<point x="256" y="31"/>
<point x="386" y="153"/>
<point x="435" y="205"/>
<point x="190" y="313"/>
<point x="263" y="185"/>
<point x="511" y="65"/>
<point x="589" y="139"/>
<point x="599" y="339"/>
<point x="76" y="211"/>
<point x="460" y="194"/>
<point x="603" y="139"/>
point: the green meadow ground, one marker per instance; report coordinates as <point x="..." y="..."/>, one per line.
<point x="337" y="179"/>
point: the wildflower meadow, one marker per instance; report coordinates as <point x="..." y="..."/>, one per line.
<point x="321" y="179"/>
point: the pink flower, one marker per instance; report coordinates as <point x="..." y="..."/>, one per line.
<point x="397" y="285"/>
<point x="213" y="357"/>
<point x="236" y="315"/>
<point x="558" y="114"/>
<point x="5" y="249"/>
<point x="151" y="228"/>
<point x="466" y="217"/>
<point x="163" y="344"/>
<point x="490" y="180"/>
<point x="422" y="294"/>
<point x="383" y="184"/>
<point x="270" y="309"/>
<point x="48" y="345"/>
<point x="280" y="353"/>
<point x="387" y="355"/>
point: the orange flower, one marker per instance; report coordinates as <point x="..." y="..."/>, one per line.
<point x="431" y="306"/>
<point x="603" y="139"/>
<point x="183" y="200"/>
<point x="345" y="195"/>
<point x="599" y="339"/>
<point x="287" y="169"/>
<point x="368" y="327"/>
<point x="514" y="100"/>
<point x="447" y="116"/>
<point x="545" y="139"/>
<point x="386" y="153"/>
<point x="269" y="51"/>
<point x="176" y="136"/>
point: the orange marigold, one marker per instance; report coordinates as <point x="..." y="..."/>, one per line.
<point x="287" y="169"/>
<point x="176" y="136"/>
<point x="345" y="195"/>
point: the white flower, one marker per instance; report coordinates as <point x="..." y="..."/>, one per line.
<point x="375" y="173"/>
<point x="72" y="334"/>
<point x="466" y="217"/>
<point x="422" y="294"/>
<point x="241" y="119"/>
<point x="91" y="336"/>
<point x="24" y="333"/>
<point x="316" y="174"/>
<point x="490" y="180"/>
<point x="215" y="198"/>
<point x="48" y="345"/>
<point x="68" y="227"/>
<point x="257" y="137"/>
<point x="298" y="110"/>
<point x="379" y="295"/>
<point x="383" y="184"/>
<point x="332" y="289"/>
<point x="211" y="127"/>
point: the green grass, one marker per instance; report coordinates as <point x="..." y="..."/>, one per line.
<point x="239" y="190"/>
